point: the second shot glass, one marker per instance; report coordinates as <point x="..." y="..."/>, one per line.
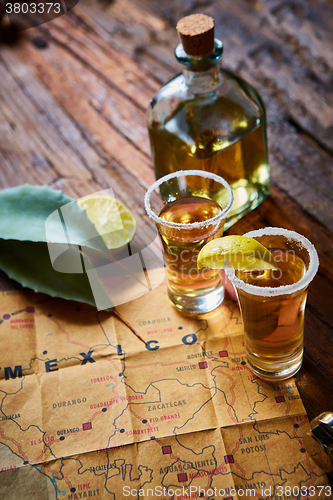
<point x="272" y="303"/>
<point x="189" y="209"/>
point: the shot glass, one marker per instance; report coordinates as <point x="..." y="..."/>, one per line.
<point x="272" y="303"/>
<point x="189" y="209"/>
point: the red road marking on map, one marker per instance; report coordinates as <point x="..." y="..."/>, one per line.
<point x="15" y="442"/>
<point x="240" y="469"/>
<point x="43" y="453"/>
<point x="53" y="471"/>
<point x="241" y="435"/>
<point x="62" y="330"/>
<point x="93" y="417"/>
<point x="133" y="412"/>
<point x="56" y="472"/>
<point x="230" y="377"/>
<point x="225" y="344"/>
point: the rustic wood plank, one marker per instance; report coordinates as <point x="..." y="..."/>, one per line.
<point x="106" y="118"/>
<point x="28" y="138"/>
<point x="283" y="48"/>
<point x="89" y="165"/>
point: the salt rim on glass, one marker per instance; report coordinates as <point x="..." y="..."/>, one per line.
<point x="178" y="225"/>
<point x="302" y="243"/>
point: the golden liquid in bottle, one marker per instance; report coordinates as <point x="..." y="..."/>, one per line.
<point x="242" y="162"/>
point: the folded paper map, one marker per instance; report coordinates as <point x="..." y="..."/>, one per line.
<point x="89" y="411"/>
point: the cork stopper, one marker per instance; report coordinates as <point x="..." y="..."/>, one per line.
<point x="196" y="33"/>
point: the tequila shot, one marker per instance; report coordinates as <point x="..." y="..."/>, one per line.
<point x="185" y="210"/>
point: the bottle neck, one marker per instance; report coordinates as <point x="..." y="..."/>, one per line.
<point x="200" y="82"/>
<point x="202" y="73"/>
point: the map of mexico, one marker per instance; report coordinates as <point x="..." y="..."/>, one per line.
<point x="91" y="409"/>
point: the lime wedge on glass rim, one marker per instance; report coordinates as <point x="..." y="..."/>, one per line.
<point x="113" y="219"/>
<point x="243" y="253"/>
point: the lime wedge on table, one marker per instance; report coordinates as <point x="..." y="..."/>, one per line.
<point x="113" y="219"/>
<point x="242" y="253"/>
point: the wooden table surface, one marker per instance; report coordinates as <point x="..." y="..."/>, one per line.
<point x="73" y="96"/>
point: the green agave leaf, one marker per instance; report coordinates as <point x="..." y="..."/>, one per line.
<point x="32" y="217"/>
<point x="24" y="211"/>
<point x="29" y="263"/>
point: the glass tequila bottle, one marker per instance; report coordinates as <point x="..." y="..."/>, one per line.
<point x="207" y="118"/>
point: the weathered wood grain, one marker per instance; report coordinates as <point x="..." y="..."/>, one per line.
<point x="72" y="115"/>
<point x="80" y="144"/>
<point x="283" y="48"/>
